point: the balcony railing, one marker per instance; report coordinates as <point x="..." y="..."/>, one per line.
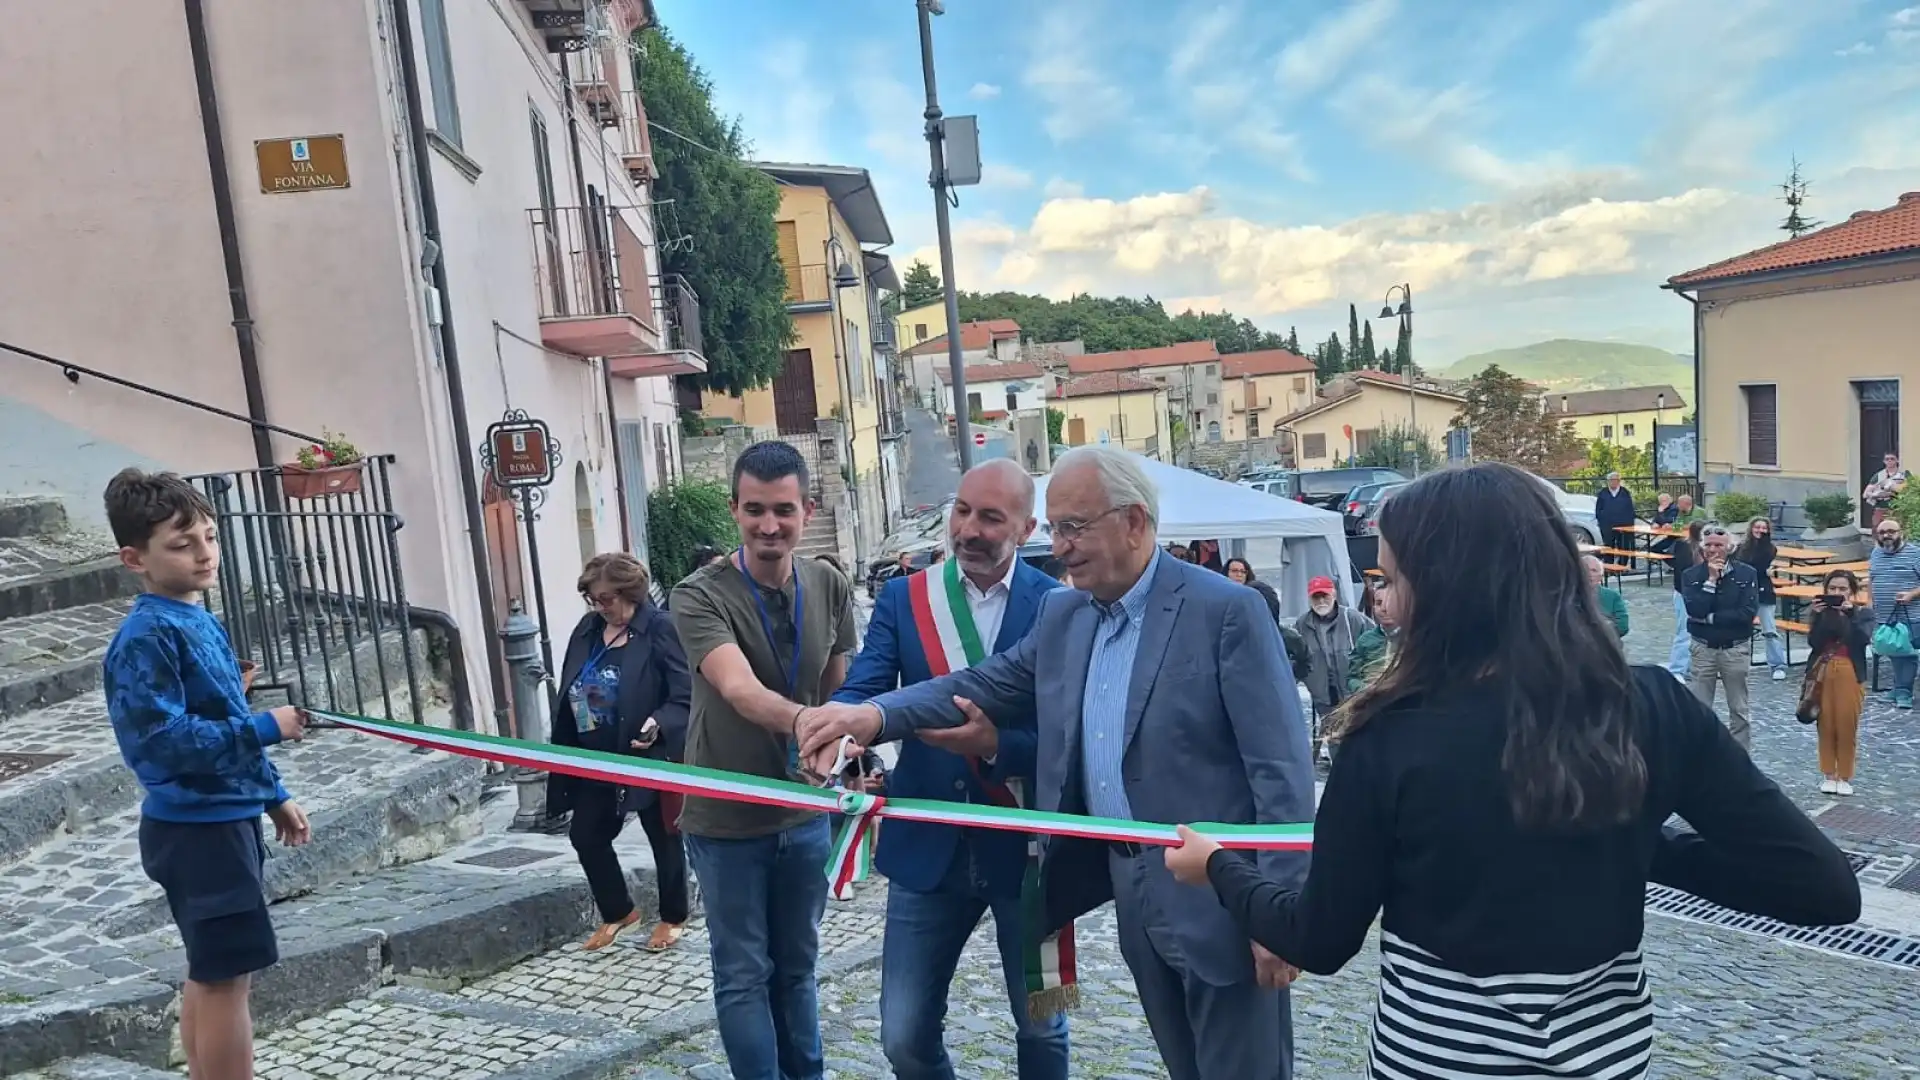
<point x="882" y="333"/>
<point x="590" y="282"/>
<point x="636" y="142"/>
<point x="1253" y="403"/>
<point x="679" y="307"/>
<point x="593" y="84"/>
<point x="809" y="284"/>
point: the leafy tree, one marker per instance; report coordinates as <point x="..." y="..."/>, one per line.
<point x="684" y="516"/>
<point x="1633" y="463"/>
<point x="1330" y="358"/>
<point x="728" y="208"/>
<point x="1504" y="414"/>
<point x="1402" y="447"/>
<point x="920" y="286"/>
<point x="1794" y="193"/>
<point x="1107" y="324"/>
<point x="1056" y="424"/>
<point x="1367" y="358"/>
<point x="1353" y="339"/>
<point x="1403" y="352"/>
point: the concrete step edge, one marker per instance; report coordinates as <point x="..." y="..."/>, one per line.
<point x="89" y="582"/>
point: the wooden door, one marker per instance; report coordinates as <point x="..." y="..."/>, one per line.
<point x="1879" y="431"/>
<point x="794" y="407"/>
<point x="1076" y="432"/>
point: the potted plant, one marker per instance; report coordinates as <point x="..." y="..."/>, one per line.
<point x="332" y="466"/>
<point x="1830" y="525"/>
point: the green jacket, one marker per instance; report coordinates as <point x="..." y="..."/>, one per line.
<point x="1699" y="514"/>
<point x="1368" y="659"/>
<point x="1614" y="606"/>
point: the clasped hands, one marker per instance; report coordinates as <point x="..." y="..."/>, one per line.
<point x="819" y="730"/>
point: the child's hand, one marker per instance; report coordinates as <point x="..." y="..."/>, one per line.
<point x="292" y="721"/>
<point x="290" y="823"/>
<point x="248" y="672"/>
<point x="1188" y="862"/>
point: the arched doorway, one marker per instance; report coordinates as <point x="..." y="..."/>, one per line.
<point x="583" y="515"/>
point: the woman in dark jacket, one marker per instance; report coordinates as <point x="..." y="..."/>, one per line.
<point x="624" y="689"/>
<point x="1756" y="550"/>
<point x="1838" y="633"/>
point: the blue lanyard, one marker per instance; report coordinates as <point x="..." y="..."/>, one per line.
<point x="594" y="660"/>
<point x="791" y="672"/>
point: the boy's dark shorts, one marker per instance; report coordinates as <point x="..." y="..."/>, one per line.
<point x="211" y="872"/>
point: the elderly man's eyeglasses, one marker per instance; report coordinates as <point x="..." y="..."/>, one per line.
<point x="1071" y="530"/>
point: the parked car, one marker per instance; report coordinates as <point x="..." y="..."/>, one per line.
<point x="1361" y="501"/>
<point x="1279" y="485"/>
<point x="1575" y="510"/>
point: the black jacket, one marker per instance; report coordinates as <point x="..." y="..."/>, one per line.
<point x="1721" y="617"/>
<point x="654" y="681"/>
<point x="1854" y="631"/>
<point x="1760" y="556"/>
<point x="1613" y="509"/>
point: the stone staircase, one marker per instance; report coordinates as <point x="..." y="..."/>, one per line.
<point x="84" y="936"/>
<point x="822" y="536"/>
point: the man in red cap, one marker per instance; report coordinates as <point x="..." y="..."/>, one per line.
<point x="1330" y="630"/>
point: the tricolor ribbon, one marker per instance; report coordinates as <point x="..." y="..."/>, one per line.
<point x="852" y="852"/>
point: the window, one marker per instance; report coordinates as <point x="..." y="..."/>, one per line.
<point x="1606" y="431"/>
<point x="1363" y="440"/>
<point x="1626" y="431"/>
<point x="446" y="106"/>
<point x="1299" y="386"/>
<point x="1213" y="431"/>
<point x="1013" y="401"/>
<point x="1211" y="369"/>
<point x="919" y="331"/>
<point x="856" y="363"/>
<point x="1313" y="446"/>
<point x="1253" y="425"/>
<point x="1213" y="399"/>
<point x="1763" y="424"/>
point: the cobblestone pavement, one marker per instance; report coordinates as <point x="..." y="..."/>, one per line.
<point x="30" y="644"/>
<point x="22" y="557"/>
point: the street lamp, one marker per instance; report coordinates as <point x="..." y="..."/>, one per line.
<point x="845" y="278"/>
<point x="1405" y="314"/>
<point x="937" y="179"/>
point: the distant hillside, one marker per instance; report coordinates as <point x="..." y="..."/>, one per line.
<point x="1568" y="365"/>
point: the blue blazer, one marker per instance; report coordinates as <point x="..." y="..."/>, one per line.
<point x="915" y="854"/>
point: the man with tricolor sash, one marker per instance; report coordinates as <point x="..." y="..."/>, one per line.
<point x="943" y="878"/>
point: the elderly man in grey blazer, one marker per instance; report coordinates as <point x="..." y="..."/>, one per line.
<point x="1163" y="694"/>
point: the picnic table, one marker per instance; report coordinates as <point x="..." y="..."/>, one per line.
<point x="1821" y="570"/>
<point x="1802" y="555"/>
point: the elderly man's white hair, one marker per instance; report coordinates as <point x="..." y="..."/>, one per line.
<point x="1121" y="477"/>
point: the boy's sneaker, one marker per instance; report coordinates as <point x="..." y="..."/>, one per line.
<point x="1779" y="674"/>
<point x="1844" y="788"/>
<point x="1903" y="699"/>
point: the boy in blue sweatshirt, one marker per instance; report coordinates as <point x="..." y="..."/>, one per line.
<point x="178" y="702"/>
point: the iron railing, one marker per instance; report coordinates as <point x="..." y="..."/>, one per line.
<point x="311" y="591"/>
<point x="636" y="141"/>
<point x="809" y="284"/>
<point x="577" y="262"/>
<point x="1675" y="486"/>
<point x="679" y="307"/>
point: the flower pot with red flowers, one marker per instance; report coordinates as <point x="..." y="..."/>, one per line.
<point x="332" y="466"/>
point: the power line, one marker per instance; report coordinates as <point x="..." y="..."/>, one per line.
<point x="690" y="141"/>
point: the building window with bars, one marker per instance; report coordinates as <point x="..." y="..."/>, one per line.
<point x="1763" y="424"/>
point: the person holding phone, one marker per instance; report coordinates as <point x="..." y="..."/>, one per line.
<point x="623" y="689"/>
<point x="1835" y="688"/>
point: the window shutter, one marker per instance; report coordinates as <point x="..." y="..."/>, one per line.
<point x="1763" y="425"/>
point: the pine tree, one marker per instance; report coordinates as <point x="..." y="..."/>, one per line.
<point x="1293" y="340"/>
<point x="1353" y="337"/>
<point x="1794" y="194"/>
<point x="921" y="285"/>
<point x="1403" y="352"/>
<point x="1367" y="357"/>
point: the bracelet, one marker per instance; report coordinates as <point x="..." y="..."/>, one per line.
<point x="793" y="725"/>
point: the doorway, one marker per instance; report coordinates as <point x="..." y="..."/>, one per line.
<point x="583" y="515"/>
<point x="1879" y="430"/>
<point x="505" y="566"/>
<point x="794" y="407"/>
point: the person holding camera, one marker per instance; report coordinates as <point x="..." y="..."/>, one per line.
<point x="1722" y="597"/>
<point x="624" y="689"/>
<point x="1835" y="687"/>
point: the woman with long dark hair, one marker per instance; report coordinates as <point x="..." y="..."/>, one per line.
<point x="1835" y="689"/>
<point x="1499" y="800"/>
<point x="1756" y="550"/>
<point x="624" y="689"/>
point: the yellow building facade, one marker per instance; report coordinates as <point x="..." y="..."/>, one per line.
<point x="921" y="324"/>
<point x="1623" y="417"/>
<point x="1345" y="423"/>
<point x="1114" y="408"/>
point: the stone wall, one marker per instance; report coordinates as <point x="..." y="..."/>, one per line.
<point x="711" y="457"/>
<point x="1234" y="458"/>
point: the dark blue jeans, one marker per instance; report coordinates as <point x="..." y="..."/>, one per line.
<point x="926" y="933"/>
<point x="763" y="900"/>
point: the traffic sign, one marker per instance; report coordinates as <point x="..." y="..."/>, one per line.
<point x="979" y="438"/>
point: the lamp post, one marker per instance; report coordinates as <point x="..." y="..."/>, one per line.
<point x="845" y="278"/>
<point x="937" y="179"/>
<point x="1405" y="314"/>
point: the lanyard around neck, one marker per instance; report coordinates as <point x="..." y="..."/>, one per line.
<point x="791" y="671"/>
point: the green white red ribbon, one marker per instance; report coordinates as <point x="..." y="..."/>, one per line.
<point x="861" y="807"/>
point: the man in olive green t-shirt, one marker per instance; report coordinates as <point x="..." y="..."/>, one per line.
<point x="766" y="635"/>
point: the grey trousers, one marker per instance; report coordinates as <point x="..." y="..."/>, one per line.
<point x="1204" y="1032"/>
<point x="1727" y="667"/>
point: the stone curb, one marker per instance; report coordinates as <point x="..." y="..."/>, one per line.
<point x="48" y="686"/>
<point x="607" y="1046"/>
<point x="106" y="1068"/>
<point x="31" y="515"/>
<point x="34" y="812"/>
<point x="91" y="582"/>
<point x="320" y="969"/>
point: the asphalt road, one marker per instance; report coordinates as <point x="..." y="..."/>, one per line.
<point x="933" y="472"/>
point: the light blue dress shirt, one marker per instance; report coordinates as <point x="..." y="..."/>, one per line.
<point x="1103" y="716"/>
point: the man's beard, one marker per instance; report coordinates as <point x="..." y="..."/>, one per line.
<point x="980" y="557"/>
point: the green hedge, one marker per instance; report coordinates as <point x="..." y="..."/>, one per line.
<point x="1906" y="507"/>
<point x="682" y="517"/>
<point x="1738" y="507"/>
<point x="1829" y="511"/>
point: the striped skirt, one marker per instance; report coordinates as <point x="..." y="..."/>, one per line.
<point x="1432" y="1023"/>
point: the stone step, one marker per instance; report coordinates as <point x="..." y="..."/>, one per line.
<point x="442" y="924"/>
<point x="53" y="656"/>
<point x="51" y="585"/>
<point x="31" y="515"/>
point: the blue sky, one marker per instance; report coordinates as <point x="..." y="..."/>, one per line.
<point x="1533" y="168"/>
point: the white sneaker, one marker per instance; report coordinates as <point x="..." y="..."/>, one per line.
<point x="1779" y="674"/>
<point x="1830" y="787"/>
<point x="1843" y="788"/>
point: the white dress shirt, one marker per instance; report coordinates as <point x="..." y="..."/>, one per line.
<point x="989" y="607"/>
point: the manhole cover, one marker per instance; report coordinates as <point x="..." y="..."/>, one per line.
<point x="1907" y="882"/>
<point x="14" y="766"/>
<point x="507" y="858"/>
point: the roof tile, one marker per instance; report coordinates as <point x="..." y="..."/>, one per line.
<point x="1869" y="232"/>
<point x="1104" y="382"/>
<point x="1182" y="353"/>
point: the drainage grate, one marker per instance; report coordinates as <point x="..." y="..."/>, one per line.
<point x="1908" y="881"/>
<point x="507" y="858"/>
<point x="15" y="766"/>
<point x="1849" y="940"/>
<point x="1858" y="861"/>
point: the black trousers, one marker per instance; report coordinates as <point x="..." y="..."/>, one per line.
<point x="1619" y="540"/>
<point x="597" y="820"/>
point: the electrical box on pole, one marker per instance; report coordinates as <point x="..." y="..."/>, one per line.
<point x="963" y="150"/>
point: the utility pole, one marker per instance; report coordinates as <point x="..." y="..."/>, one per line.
<point x="937" y="179"/>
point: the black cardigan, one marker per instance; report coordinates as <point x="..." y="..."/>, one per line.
<point x="1760" y="556"/>
<point x="654" y="682"/>
<point x="1855" y="629"/>
<point x="1415" y="825"/>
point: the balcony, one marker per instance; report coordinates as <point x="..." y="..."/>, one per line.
<point x="681" y="350"/>
<point x="1253" y="403"/>
<point x="809" y="288"/>
<point x="594" y="84"/>
<point x="590" y="283"/>
<point x="882" y="333"/>
<point x="564" y="25"/>
<point x="636" y="141"/>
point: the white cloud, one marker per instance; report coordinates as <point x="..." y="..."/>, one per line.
<point x="1004" y="177"/>
<point x="1858" y="48"/>
<point x="982" y="91"/>
<point x="1067" y="69"/>
<point x="1060" y="188"/>
<point x="795" y="126"/>
<point x="1206" y="32"/>
<point x="1906" y="16"/>
<point x="1324" y="52"/>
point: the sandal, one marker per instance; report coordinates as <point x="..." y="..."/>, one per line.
<point x="608" y="932"/>
<point x="665" y="936"/>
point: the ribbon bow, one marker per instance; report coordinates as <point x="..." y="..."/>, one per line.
<point x="853" y="849"/>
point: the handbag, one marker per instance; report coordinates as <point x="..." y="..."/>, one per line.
<point x="1808" y="711"/>
<point x="1892" y="639"/>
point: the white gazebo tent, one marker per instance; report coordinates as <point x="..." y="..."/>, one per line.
<point x="1288" y="543"/>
